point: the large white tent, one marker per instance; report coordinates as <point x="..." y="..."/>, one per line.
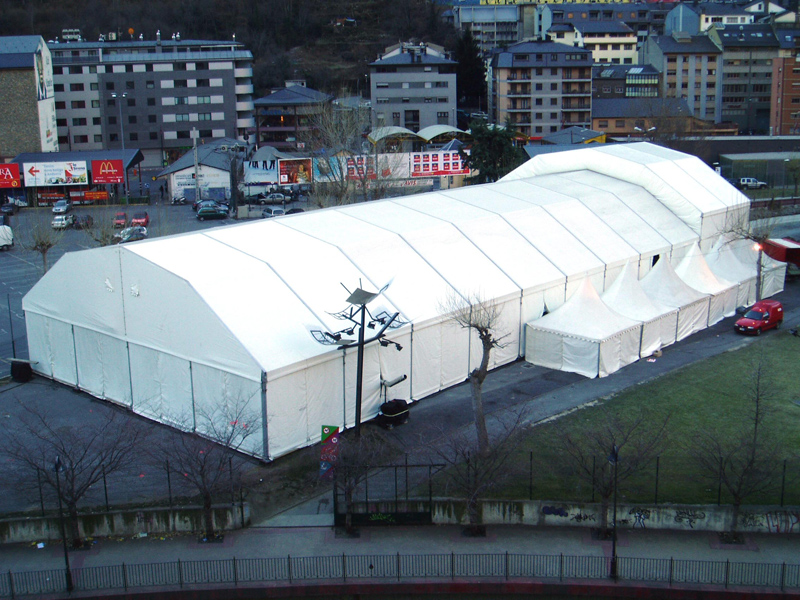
<point x="171" y="326"/>
<point x="695" y="272"/>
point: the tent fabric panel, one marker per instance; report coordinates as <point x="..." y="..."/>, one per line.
<point x="103" y="365"/>
<point x="454" y="354"/>
<point x="394" y="364"/>
<point x="61" y="343"/>
<point x="610" y="359"/>
<point x="650" y="338"/>
<point x="581" y="356"/>
<point x="213" y="386"/>
<point x="426" y="365"/>
<point x="692" y="318"/>
<point x="544" y="348"/>
<point x="323" y="395"/>
<point x="773" y="281"/>
<point x="39" y="350"/>
<point x="161" y="385"/>
<point x="668" y="325"/>
<point x="630" y="344"/>
<point x="287" y="418"/>
<point x="507" y="328"/>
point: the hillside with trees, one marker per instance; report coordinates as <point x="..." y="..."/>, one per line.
<point x="329" y="43"/>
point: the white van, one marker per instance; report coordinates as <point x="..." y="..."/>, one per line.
<point x="6" y="237"/>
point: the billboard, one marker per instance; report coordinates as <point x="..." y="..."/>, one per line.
<point x="55" y="173"/>
<point x="294" y="170"/>
<point x="107" y="171"/>
<point x="429" y="164"/>
<point x="9" y="175"/>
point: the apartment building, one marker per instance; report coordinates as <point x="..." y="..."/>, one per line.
<point x="748" y="52"/>
<point x="491" y="26"/>
<point x="27" y="104"/>
<point x="413" y="85"/>
<point x="690" y="69"/>
<point x="645" y="19"/>
<point x="151" y="94"/>
<point x="638" y="81"/>
<point x="541" y="87"/>
<point x="286" y="118"/>
<point x="785" y="94"/>
<point x="610" y="42"/>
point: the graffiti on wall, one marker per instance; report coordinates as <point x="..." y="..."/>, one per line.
<point x="690" y="517"/>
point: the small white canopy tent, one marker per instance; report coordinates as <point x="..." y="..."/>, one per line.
<point x="664" y="286"/>
<point x="725" y="263"/>
<point x="773" y="272"/>
<point x="583" y="336"/>
<point x="659" y="323"/>
<point x="694" y="270"/>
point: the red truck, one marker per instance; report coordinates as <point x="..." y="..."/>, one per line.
<point x="764" y="314"/>
<point x="785" y="250"/>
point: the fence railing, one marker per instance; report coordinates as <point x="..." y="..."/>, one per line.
<point x="399" y="567"/>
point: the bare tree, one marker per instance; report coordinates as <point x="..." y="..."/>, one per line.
<point x="742" y="227"/>
<point x="637" y="437"/>
<point x="208" y="456"/>
<point x="87" y="453"/>
<point x="102" y="230"/>
<point x="357" y="457"/>
<point x="38" y="235"/>
<point x="746" y="460"/>
<point x="472" y="472"/>
<point x="474" y="313"/>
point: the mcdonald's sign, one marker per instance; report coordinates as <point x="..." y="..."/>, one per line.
<point x="9" y="175"/>
<point x="107" y="171"/>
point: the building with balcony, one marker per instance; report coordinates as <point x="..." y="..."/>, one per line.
<point x="784" y="116"/>
<point x="644" y="19"/>
<point x="690" y="69"/>
<point x="285" y="118"/>
<point x="413" y="85"/>
<point x="491" y="26"/>
<point x="542" y="87"/>
<point x="610" y="42"/>
<point x="697" y="18"/>
<point x="153" y="93"/>
<point x="27" y="104"/>
<point x="748" y="52"/>
<point x="638" y="81"/>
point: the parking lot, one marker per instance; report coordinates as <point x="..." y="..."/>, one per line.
<point x="20" y="268"/>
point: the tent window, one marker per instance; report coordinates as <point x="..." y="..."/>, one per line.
<point x="655" y="260"/>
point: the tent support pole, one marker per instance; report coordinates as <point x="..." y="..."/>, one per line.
<point x="75" y="353"/>
<point x="130" y="373"/>
<point x="191" y="387"/>
<point x="344" y="390"/>
<point x="411" y="366"/>
<point x="264" y="420"/>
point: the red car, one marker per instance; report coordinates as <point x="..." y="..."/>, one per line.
<point x="763" y="315"/>
<point x="142" y="219"/>
<point x="121" y="219"/>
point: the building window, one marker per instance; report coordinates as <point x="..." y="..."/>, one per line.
<point x="205" y="133"/>
<point x="78" y="121"/>
<point x="150" y="85"/>
<point x="441" y="100"/>
<point x="380" y="100"/>
<point x="442" y="118"/>
<point x="201" y="66"/>
<point x="602" y="124"/>
<point x="98" y="138"/>
<point x="153" y="135"/>
<point x="539" y="87"/>
<point x="441" y="84"/>
<point x="129" y="68"/>
<point x="406" y="100"/>
<point x="93" y="87"/>
<point x="95" y="103"/>
<point x="181" y="101"/>
<point x="553" y="115"/>
<point x="78" y="104"/>
<point x="151" y="102"/>
<point x="204" y="117"/>
<point x="553" y="101"/>
<point x="132" y="119"/>
<point x="179" y="67"/>
<point x="539" y="129"/>
<point x="109" y="85"/>
<point x="152" y="119"/>
<point x="183" y="135"/>
<point x="134" y="137"/>
<point x="80" y="139"/>
<point x="553" y="87"/>
<point x="61" y="105"/>
<point x="97" y="121"/>
<point x="58" y="87"/>
<point x="63" y="122"/>
<point x="204" y="99"/>
<point x="538" y="101"/>
<point x="180" y="83"/>
<point x="203" y="83"/>
<point x="181" y="118"/>
<point x="112" y="120"/>
<point x="381" y="85"/>
<point x="131" y="101"/>
<point x="129" y="85"/>
<point x="396" y="119"/>
<point x="113" y="137"/>
<point x="619" y="123"/>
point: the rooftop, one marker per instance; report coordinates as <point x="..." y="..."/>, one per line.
<point x="611" y="108"/>
<point x="296" y="95"/>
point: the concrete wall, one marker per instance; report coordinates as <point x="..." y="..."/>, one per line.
<point x="124" y="523"/>
<point x="761" y="519"/>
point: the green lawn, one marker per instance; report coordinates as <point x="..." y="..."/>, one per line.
<point x="709" y="395"/>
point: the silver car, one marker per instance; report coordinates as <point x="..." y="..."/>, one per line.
<point x="61" y="207"/>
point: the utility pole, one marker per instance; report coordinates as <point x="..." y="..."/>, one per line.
<point x="196" y="174"/>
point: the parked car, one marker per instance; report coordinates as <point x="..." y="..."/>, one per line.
<point x="198" y="205"/>
<point x="121" y="219"/>
<point x="763" y="315"/>
<point x="750" y="183"/>
<point x="140" y="218"/>
<point x="6" y="237"/>
<point x="272" y="212"/>
<point x="83" y="221"/>
<point x="294" y="211"/>
<point x="212" y="212"/>
<point x="63" y="221"/>
<point x="131" y="234"/>
<point x="9" y="208"/>
<point x="61" y="207"/>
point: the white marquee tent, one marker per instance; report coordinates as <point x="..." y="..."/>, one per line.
<point x="171" y="325"/>
<point x="695" y="272"/>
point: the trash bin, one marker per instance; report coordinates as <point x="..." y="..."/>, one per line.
<point x="21" y="371"/>
<point x="393" y="412"/>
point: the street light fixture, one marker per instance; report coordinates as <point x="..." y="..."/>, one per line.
<point x="68" y="571"/>
<point x="118" y="98"/>
<point x="613" y="459"/>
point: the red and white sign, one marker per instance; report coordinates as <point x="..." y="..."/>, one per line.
<point x="9" y="175"/>
<point x="107" y="171"/>
<point x="428" y="164"/>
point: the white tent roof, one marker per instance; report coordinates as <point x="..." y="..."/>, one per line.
<point x="663" y="285"/>
<point x="694" y="270"/>
<point x="627" y="297"/>
<point x="585" y="315"/>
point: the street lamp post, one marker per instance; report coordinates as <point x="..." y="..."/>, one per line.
<point x="118" y="98"/>
<point x="70" y="586"/>
<point x="614" y="460"/>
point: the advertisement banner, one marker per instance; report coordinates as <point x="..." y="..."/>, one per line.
<point x="9" y="175"/>
<point x="55" y="173"/>
<point x="430" y="164"/>
<point x="261" y="172"/>
<point x="107" y="171"/>
<point x="330" y="452"/>
<point x="295" y="170"/>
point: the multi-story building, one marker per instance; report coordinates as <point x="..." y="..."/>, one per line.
<point x="785" y="96"/>
<point x="748" y="52"/>
<point x="697" y="18"/>
<point x="542" y="87"/>
<point x="413" y="86"/>
<point x="285" y="119"/>
<point x="690" y="69"/>
<point x="644" y="19"/>
<point x="610" y="42"/>
<point x="151" y="94"/>
<point x="491" y="26"/>
<point x="27" y="106"/>
<point x="639" y="81"/>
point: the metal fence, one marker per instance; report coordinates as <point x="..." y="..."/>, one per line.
<point x="400" y="567"/>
